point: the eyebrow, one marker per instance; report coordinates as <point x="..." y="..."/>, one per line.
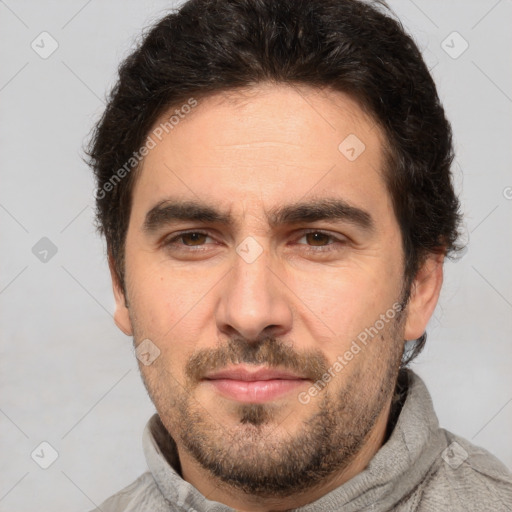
<point x="167" y="211"/>
<point x="322" y="209"/>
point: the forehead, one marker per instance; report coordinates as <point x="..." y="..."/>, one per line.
<point x="263" y="146"/>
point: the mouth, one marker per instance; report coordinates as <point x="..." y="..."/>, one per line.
<point x="243" y="384"/>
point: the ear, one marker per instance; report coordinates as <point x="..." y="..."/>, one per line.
<point x="121" y="314"/>
<point x="425" y="291"/>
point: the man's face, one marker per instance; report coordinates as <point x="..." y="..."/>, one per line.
<point x="256" y="244"/>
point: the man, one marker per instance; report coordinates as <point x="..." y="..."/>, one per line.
<point x="273" y="182"/>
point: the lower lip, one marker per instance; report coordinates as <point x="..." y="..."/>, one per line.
<point x="255" y="391"/>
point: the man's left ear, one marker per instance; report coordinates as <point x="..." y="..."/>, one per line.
<point x="425" y="291"/>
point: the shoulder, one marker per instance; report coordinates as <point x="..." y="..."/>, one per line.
<point x="142" y="494"/>
<point x="469" y="478"/>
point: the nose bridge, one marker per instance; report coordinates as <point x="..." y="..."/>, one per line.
<point x="251" y="300"/>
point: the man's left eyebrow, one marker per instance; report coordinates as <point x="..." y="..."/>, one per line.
<point x="322" y="209"/>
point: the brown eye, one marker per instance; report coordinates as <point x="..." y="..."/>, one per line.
<point x="317" y="238"/>
<point x="193" y="238"/>
<point x="191" y="245"/>
<point x="320" y="243"/>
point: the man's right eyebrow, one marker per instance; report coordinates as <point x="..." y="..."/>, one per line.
<point x="168" y="211"/>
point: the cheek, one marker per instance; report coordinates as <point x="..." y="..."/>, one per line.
<point x="151" y="300"/>
<point x="169" y="303"/>
<point x="346" y="300"/>
<point x="152" y="309"/>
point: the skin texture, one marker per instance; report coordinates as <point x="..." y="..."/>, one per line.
<point x="297" y="306"/>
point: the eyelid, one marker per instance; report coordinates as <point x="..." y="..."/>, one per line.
<point x="335" y="236"/>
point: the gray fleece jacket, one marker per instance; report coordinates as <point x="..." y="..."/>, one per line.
<point x="421" y="468"/>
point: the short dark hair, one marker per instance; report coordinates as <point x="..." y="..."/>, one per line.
<point x="359" y="48"/>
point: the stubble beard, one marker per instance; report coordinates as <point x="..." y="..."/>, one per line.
<point x="259" y="459"/>
<point x="258" y="455"/>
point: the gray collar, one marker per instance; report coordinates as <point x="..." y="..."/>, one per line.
<point x="396" y="469"/>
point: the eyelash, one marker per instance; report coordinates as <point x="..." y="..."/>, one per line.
<point x="316" y="249"/>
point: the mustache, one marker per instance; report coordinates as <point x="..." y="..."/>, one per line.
<point x="270" y="351"/>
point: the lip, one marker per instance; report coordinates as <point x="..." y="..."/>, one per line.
<point x="251" y="375"/>
<point x="254" y="386"/>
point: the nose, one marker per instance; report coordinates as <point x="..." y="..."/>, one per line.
<point x="254" y="301"/>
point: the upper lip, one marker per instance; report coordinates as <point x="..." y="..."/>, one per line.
<point x="243" y="373"/>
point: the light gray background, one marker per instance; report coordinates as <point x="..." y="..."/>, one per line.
<point x="70" y="378"/>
